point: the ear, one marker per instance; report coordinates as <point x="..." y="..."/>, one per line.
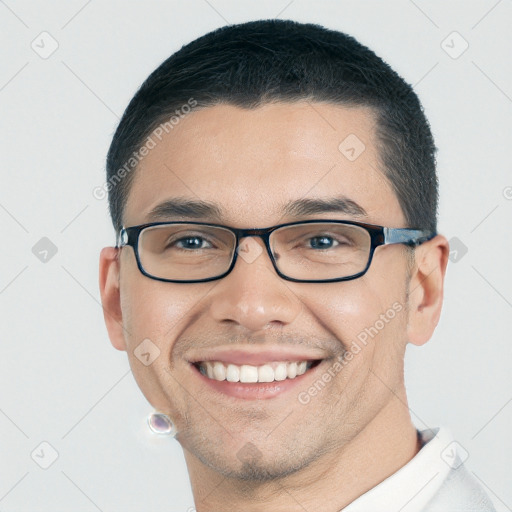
<point x="426" y="289"/>
<point x="110" y="296"/>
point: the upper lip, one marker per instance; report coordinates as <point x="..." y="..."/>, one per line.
<point x="255" y="357"/>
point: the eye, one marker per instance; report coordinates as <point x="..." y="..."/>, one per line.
<point x="322" y="242"/>
<point x="190" y="242"/>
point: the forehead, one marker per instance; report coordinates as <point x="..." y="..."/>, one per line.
<point x="249" y="164"/>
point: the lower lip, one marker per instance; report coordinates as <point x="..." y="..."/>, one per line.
<point x="255" y="390"/>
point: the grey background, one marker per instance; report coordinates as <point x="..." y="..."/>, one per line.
<point x="61" y="380"/>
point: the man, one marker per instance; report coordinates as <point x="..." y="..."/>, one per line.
<point x="273" y="190"/>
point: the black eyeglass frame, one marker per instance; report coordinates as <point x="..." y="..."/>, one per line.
<point x="379" y="235"/>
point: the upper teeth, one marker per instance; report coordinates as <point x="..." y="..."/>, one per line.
<point x="247" y="373"/>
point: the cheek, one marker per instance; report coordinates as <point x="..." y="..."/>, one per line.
<point x="157" y="310"/>
<point x="347" y="308"/>
<point x="368" y="318"/>
<point x="154" y="317"/>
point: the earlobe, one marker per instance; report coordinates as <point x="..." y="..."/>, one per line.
<point x="426" y="289"/>
<point x="110" y="296"/>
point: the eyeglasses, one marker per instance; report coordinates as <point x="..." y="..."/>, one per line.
<point x="313" y="251"/>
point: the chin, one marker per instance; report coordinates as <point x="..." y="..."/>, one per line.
<point x="249" y="464"/>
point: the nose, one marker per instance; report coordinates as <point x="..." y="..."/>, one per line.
<point x="253" y="295"/>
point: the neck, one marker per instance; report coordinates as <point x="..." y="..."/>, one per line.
<point x="331" y="483"/>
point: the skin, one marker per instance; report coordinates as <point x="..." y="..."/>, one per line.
<point x="357" y="430"/>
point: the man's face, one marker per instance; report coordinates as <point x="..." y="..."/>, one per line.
<point x="251" y="163"/>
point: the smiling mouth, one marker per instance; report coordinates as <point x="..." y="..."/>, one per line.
<point x="269" y="372"/>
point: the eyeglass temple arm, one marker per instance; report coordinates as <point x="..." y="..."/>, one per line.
<point x="121" y="238"/>
<point x="411" y="237"/>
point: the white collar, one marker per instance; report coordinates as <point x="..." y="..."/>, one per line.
<point x="413" y="485"/>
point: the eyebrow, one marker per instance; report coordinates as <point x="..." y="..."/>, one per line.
<point x="197" y="209"/>
<point x="309" y="206"/>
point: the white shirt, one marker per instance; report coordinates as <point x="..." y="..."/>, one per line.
<point x="435" y="480"/>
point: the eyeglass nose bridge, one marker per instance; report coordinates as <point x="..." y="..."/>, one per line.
<point x="264" y="234"/>
<point x="259" y="232"/>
